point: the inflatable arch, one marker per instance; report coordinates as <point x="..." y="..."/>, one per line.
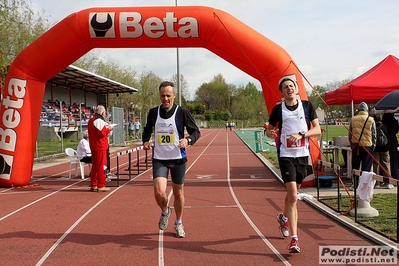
<point x="127" y="27"/>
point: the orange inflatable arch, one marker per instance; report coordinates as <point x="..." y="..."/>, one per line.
<point x="128" y="27"/>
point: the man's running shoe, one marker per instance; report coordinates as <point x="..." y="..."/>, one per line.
<point x="180" y="231"/>
<point x="293" y="247"/>
<point x="163" y="220"/>
<point x="284" y="230"/>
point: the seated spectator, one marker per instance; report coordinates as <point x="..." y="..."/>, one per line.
<point x="83" y="151"/>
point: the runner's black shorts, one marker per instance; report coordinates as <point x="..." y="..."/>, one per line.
<point x="293" y="169"/>
<point x="177" y="168"/>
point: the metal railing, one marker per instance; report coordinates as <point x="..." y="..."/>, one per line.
<point x="137" y="165"/>
<point x="331" y="196"/>
<point x="388" y="216"/>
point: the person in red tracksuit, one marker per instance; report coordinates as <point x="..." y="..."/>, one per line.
<point x="98" y="130"/>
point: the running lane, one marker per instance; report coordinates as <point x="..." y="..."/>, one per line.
<point x="232" y="201"/>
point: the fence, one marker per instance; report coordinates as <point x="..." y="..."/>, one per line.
<point x="386" y="223"/>
<point x="138" y="165"/>
<point x="329" y="193"/>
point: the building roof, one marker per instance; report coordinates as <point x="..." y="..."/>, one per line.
<point x="75" y="78"/>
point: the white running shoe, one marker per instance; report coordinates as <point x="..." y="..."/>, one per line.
<point x="180" y="231"/>
<point x="163" y="220"/>
<point x="284" y="229"/>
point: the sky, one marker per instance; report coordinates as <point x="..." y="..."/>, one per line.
<point x="329" y="40"/>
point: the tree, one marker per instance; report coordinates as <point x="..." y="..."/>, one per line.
<point x="89" y="61"/>
<point x="248" y="105"/>
<point x="148" y="94"/>
<point x="214" y="95"/>
<point x="343" y="110"/>
<point x="196" y="108"/>
<point x="183" y="87"/>
<point x="336" y="84"/>
<point x="112" y="70"/>
<point x="317" y="96"/>
<point x="20" y="26"/>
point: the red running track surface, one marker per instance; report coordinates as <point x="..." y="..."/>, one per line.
<point x="232" y="200"/>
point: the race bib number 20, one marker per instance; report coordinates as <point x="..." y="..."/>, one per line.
<point x="164" y="139"/>
<point x="298" y="144"/>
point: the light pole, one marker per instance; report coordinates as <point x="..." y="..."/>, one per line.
<point x="145" y="109"/>
<point x="178" y="70"/>
<point x="62" y="130"/>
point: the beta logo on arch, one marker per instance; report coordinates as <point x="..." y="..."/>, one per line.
<point x="132" y="25"/>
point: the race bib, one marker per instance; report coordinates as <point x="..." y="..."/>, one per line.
<point x="166" y="139"/>
<point x="290" y="145"/>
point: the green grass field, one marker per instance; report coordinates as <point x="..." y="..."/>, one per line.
<point x="334" y="131"/>
<point x="45" y="148"/>
<point x="330" y="132"/>
<point x="385" y="222"/>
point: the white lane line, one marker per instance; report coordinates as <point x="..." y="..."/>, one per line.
<point x="36" y="201"/>
<point x="44" y="197"/>
<point x="267" y="242"/>
<point x="210" y="206"/>
<point x="161" y="260"/>
<point x="161" y="256"/>
<point x="55" y="245"/>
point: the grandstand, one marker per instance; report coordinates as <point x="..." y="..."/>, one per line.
<point x="69" y="101"/>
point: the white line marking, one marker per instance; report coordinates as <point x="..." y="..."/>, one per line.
<point x="204" y="176"/>
<point x="160" y="249"/>
<point x="160" y="244"/>
<point x="36" y="201"/>
<point x="267" y="242"/>
<point x="55" y="245"/>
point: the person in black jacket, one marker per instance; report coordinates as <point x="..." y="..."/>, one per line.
<point x="169" y="154"/>
<point x="381" y="164"/>
<point x="393" y="129"/>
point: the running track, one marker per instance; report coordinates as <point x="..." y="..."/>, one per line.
<point x="232" y="200"/>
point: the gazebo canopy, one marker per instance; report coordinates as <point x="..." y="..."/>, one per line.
<point x="369" y="87"/>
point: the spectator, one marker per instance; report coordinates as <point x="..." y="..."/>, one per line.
<point x="99" y="130"/>
<point x="131" y="129"/>
<point x="137" y="127"/>
<point x="393" y="128"/>
<point x="362" y="134"/>
<point x="83" y="151"/>
<point x="381" y="165"/>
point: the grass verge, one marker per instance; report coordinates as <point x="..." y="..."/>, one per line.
<point x="385" y="203"/>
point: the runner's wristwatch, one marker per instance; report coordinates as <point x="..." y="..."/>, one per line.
<point x="302" y="134"/>
<point x="189" y="141"/>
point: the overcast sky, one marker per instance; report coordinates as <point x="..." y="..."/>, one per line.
<point x="329" y="40"/>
